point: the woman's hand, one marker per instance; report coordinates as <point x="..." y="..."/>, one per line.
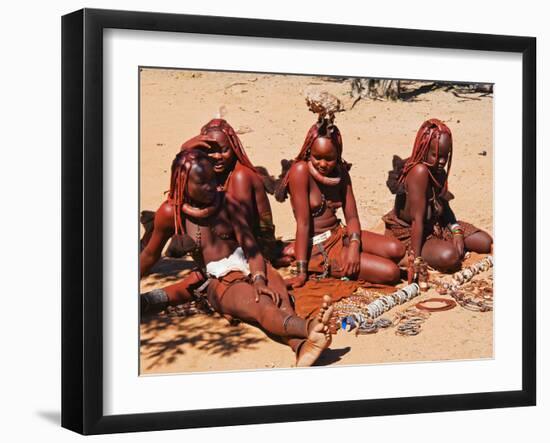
<point x="262" y="289"/>
<point x="353" y="258"/>
<point x="458" y="242"/>
<point x="296" y="282"/>
<point x="198" y="142"/>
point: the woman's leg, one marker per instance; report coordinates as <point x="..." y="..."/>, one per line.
<point x="382" y="245"/>
<point x="176" y="294"/>
<point x="275" y="282"/>
<point x="239" y="301"/>
<point x="373" y="268"/>
<point x="479" y="242"/>
<point x="441" y="255"/>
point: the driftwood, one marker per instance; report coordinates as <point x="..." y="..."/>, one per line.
<point x="385" y="89"/>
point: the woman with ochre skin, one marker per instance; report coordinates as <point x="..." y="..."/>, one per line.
<point x="319" y="183"/>
<point x="241" y="285"/>
<point x="422" y="217"/>
<point x="236" y="175"/>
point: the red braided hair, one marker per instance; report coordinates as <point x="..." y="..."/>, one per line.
<point x="429" y="130"/>
<point x="319" y="129"/>
<point x="219" y="124"/>
<point x="178" y="182"/>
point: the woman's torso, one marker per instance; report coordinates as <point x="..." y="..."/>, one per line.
<point x="213" y="236"/>
<point x="259" y="203"/>
<point x="324" y="201"/>
<point x="434" y="208"/>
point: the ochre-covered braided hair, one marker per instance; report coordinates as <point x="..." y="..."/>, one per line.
<point x="219" y="124"/>
<point x="323" y="128"/>
<point x="178" y="182"/>
<point x="430" y="130"/>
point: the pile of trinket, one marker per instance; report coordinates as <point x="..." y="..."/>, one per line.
<point x="359" y="313"/>
<point x="417" y="271"/>
<point x="465" y="275"/>
<point x="475" y="296"/>
<point x="409" y="322"/>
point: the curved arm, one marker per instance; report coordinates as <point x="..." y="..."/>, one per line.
<point x="417" y="185"/>
<point x="244" y="235"/>
<point x="198" y="142"/>
<point x="298" y="186"/>
<point x="163" y="229"/>
<point x="448" y="215"/>
<point x="351" y="214"/>
<point x="241" y="189"/>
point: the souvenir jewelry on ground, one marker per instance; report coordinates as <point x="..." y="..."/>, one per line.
<point x="444" y="304"/>
<point x="362" y="314"/>
<point x="475" y="296"/>
<point x="465" y="275"/>
<point x="409" y="322"/>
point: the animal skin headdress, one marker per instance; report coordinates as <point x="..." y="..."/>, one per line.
<point x="325" y="105"/>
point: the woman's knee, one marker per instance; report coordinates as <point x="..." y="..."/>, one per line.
<point x="390" y="274"/>
<point x="480" y="242"/>
<point x="448" y="259"/>
<point x="396" y="249"/>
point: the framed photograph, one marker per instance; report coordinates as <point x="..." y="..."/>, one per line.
<point x="270" y="221"/>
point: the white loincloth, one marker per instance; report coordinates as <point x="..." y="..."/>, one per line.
<point x="235" y="262"/>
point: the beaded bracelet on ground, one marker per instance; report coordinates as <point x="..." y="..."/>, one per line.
<point x="475" y="296"/>
<point x="355" y="314"/>
<point x="409" y="322"/>
<point x="463" y="276"/>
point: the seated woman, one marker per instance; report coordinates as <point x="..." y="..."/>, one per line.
<point x="236" y="175"/>
<point x="241" y="285"/>
<point x="319" y="183"/>
<point x="422" y="217"/>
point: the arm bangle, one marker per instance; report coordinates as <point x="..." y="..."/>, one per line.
<point x="301" y="266"/>
<point x="456" y="229"/>
<point x="354" y="236"/>
<point x="259" y="274"/>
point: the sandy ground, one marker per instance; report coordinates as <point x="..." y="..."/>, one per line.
<point x="270" y="113"/>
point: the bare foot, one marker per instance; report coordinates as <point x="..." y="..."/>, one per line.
<point x="319" y="337"/>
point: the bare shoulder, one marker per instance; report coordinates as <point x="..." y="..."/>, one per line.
<point x="418" y="175"/>
<point x="164" y="217"/>
<point x="243" y="176"/>
<point x="298" y="170"/>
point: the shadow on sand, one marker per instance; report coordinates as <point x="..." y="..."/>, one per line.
<point x="202" y="332"/>
<point x="331" y="356"/>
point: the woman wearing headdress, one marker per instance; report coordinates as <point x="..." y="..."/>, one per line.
<point x="236" y="175"/>
<point x="422" y="218"/>
<point x="319" y="183"/>
<point x="217" y="234"/>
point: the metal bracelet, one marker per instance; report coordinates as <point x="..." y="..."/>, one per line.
<point x="354" y="236"/>
<point x="259" y="274"/>
<point x="301" y="266"/>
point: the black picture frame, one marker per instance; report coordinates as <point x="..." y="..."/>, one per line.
<point x="82" y="218"/>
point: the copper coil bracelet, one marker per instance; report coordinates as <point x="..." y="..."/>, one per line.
<point x="447" y="304"/>
<point x="406" y="329"/>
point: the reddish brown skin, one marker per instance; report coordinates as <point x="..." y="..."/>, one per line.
<point x="245" y="188"/>
<point x="266" y="305"/>
<point x="443" y="255"/>
<point x="375" y="260"/>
